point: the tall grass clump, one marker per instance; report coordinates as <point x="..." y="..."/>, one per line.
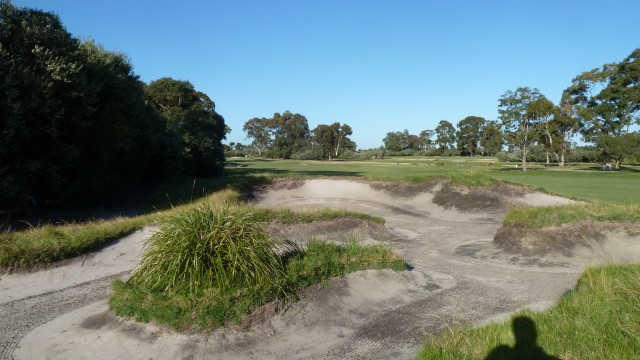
<point x="537" y="217"/>
<point x="210" y="247"/>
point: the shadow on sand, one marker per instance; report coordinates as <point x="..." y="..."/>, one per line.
<point x="526" y="347"/>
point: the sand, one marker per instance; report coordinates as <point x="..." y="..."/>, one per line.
<point x="459" y="277"/>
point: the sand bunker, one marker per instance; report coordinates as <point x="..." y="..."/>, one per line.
<point x="459" y="276"/>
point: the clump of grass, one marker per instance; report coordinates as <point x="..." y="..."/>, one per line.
<point x="538" y="217"/>
<point x="210" y="247"/>
<point x="596" y="320"/>
<point x="209" y="266"/>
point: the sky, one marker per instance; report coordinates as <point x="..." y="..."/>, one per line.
<point x="379" y="66"/>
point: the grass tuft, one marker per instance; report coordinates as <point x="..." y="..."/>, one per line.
<point x="538" y="217"/>
<point x="210" y="247"/>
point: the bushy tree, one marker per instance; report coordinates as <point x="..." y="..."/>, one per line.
<point x="469" y="135"/>
<point x="332" y="139"/>
<point x="491" y="139"/>
<point x="191" y="115"/>
<point x="446" y="136"/>
<point x="74" y="123"/>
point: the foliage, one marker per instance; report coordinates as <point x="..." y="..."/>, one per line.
<point x="332" y="140"/>
<point x="49" y="243"/>
<point x="191" y="116"/>
<point x="491" y="139"/>
<point x="205" y="246"/>
<point x="446" y="136"/>
<point x="606" y="103"/>
<point x="469" y="135"/>
<point x="213" y="307"/>
<point x="597" y="320"/>
<point x="520" y="118"/>
<point x="538" y="217"/>
<point x="258" y="129"/>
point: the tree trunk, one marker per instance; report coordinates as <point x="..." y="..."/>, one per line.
<point x="548" y="158"/>
<point x="561" y="162"/>
<point x="524" y="157"/>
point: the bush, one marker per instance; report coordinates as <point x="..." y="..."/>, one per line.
<point x="502" y="156"/>
<point x="206" y="247"/>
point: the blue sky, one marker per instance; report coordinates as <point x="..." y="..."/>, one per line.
<point x="378" y="66"/>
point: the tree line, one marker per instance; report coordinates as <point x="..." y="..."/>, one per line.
<point x="600" y="105"/>
<point x="78" y="125"/>
<point x="287" y="136"/>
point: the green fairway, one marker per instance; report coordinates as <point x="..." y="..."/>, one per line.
<point x="579" y="181"/>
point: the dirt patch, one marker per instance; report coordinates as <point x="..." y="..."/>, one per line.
<point x="404" y="189"/>
<point x="568" y="240"/>
<point x="336" y="230"/>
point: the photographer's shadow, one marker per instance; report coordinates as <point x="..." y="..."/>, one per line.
<point x="526" y="347"/>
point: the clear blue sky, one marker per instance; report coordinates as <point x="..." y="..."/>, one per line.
<point x="378" y="66"/>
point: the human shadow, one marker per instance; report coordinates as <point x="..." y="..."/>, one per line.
<point x="526" y="347"/>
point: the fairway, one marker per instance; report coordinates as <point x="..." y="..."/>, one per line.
<point x="578" y="181"/>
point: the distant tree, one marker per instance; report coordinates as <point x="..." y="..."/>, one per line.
<point x="491" y="139"/>
<point x="191" y="115"/>
<point x="605" y="100"/>
<point x="566" y="124"/>
<point x="616" y="148"/>
<point x="518" y="120"/>
<point x="543" y="111"/>
<point x="426" y="139"/>
<point x="290" y="134"/>
<point x="396" y="141"/>
<point x="446" y="135"/>
<point x="469" y="135"/>
<point x="259" y="130"/>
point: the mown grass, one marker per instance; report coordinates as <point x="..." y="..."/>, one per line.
<point x="211" y="266"/>
<point x="596" y="320"/>
<point x="538" y="217"/>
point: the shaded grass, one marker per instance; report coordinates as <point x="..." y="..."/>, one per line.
<point x="49" y="243"/>
<point x="596" y="320"/>
<point x="538" y="217"/>
<point x="182" y="309"/>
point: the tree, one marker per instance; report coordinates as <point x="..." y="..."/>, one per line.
<point x="491" y="139"/>
<point x="606" y="101"/>
<point x="258" y="129"/>
<point x="290" y="132"/>
<point x="469" y="134"/>
<point x="543" y="111"/>
<point x="518" y="120"/>
<point x="446" y="135"/>
<point x="332" y="139"/>
<point x="425" y="139"/>
<point x="192" y="117"/>
<point x="616" y="148"/>
<point x="74" y="120"/>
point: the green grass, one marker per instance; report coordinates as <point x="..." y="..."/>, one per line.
<point x="183" y="309"/>
<point x="49" y="243"/>
<point x="596" y="320"/>
<point x="538" y="217"/>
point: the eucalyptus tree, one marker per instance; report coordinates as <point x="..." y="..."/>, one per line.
<point x="290" y="134"/>
<point x="469" y="134"/>
<point x="445" y="135"/>
<point x="544" y="111"/>
<point x="426" y="139"/>
<point x="491" y="139"/>
<point x="258" y="129"/>
<point x="332" y="139"/>
<point x="519" y="120"/>
<point x="606" y="101"/>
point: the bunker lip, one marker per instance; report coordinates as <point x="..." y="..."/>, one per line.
<point x="459" y="277"/>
